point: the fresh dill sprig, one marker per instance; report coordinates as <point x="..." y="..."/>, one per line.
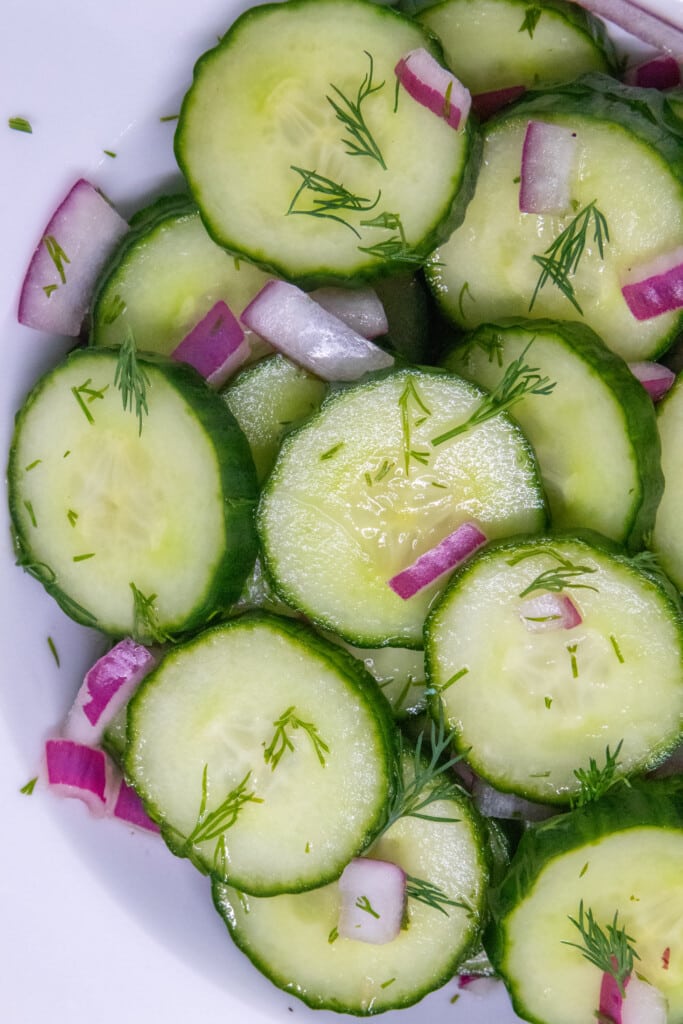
<point x="212" y="824"/>
<point x="531" y="18"/>
<point x="594" y="781"/>
<point x="85" y="395"/>
<point x="428" y="782"/>
<point x="331" y="196"/>
<point x="20" y="124"/>
<point x="610" y="948"/>
<point x="414" y="412"/>
<point x="281" y="742"/>
<point x="561" y="259"/>
<point x="518" y="380"/>
<point x="426" y="892"/>
<point x="146" y="626"/>
<point x="394" y="248"/>
<point x="359" y="141"/>
<point x="554" y="579"/>
<point x="131" y="379"/>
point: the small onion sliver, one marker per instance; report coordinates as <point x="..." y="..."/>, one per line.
<point x="434" y="87"/>
<point x="655" y="287"/>
<point x="297" y="326"/>
<point x="485" y="104"/>
<point x="446" y="555"/>
<point x="655" y="378"/>
<point x="73" y="248"/>
<point x="651" y="28"/>
<point x="548" y="156"/>
<point x="107" y="686"/>
<point x="216" y="346"/>
<point x="549" y="611"/>
<point x="127" y="806"/>
<point x="493" y="803"/>
<point x="661" y="72"/>
<point x="644" y="1004"/>
<point x="611" y="999"/>
<point x="373" y="894"/>
<point x="359" y="308"/>
<point x="78" y="770"/>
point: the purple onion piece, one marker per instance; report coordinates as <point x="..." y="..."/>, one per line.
<point x="549" y="611"/>
<point x="661" y="72"/>
<point x="485" y="104"/>
<point x="655" y="287"/>
<point x="77" y="770"/>
<point x="663" y="33"/>
<point x="440" y="559"/>
<point x="216" y="346"/>
<point x="548" y="156"/>
<point x="373" y="894"/>
<point x="655" y="378"/>
<point x="434" y="87"/>
<point x="74" y="247"/>
<point x="128" y="807"/>
<point x="359" y="308"/>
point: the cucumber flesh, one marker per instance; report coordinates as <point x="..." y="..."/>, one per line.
<point x="667" y="536"/>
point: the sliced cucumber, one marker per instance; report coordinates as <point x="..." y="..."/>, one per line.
<point x="133" y="526"/>
<point x="281" y="178"/>
<point x="494" y="44"/>
<point x="629" y="164"/>
<point x="399" y="673"/>
<point x="620" y="855"/>
<point x="667" y="536"/>
<point x="265" y="754"/>
<point x="360" y="491"/>
<point x="293" y="940"/>
<point x="267" y="400"/>
<point x="533" y="707"/>
<point x="596" y="406"/>
<point x="164" y="278"/>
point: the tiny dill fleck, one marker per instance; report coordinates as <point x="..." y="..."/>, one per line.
<point x="386" y="984"/>
<point x="617" y="649"/>
<point x="28" y="788"/>
<point x="85" y="557"/>
<point x="53" y="650"/>
<point x="169" y="117"/>
<point x="453" y="679"/>
<point x="363" y="903"/>
<point x="114" y="310"/>
<point x="584" y="869"/>
<point x="531" y="19"/>
<point x="32" y="465"/>
<point x="333" y="936"/>
<point x="31" y="514"/>
<point x="465" y="292"/>
<point x="454" y="998"/>
<point x="571" y="648"/>
<point x="57" y="255"/>
<point x="110" y="153"/>
<point x="20" y="124"/>
<point x="548" y="702"/>
<point x="72" y="516"/>
<point x="331" y="451"/>
<point x="49" y="289"/>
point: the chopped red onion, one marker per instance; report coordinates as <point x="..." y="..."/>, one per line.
<point x="359" y="308"/>
<point x="644" y="1004"/>
<point x="611" y="999"/>
<point x="662" y="72"/>
<point x="655" y="378"/>
<point x="492" y="803"/>
<point x="77" y="770"/>
<point x="296" y="325"/>
<point x="438" y="560"/>
<point x="549" y="611"/>
<point x="655" y="287"/>
<point x="485" y="104"/>
<point x="373" y="894"/>
<point x="548" y="156"/>
<point x="434" y="87"/>
<point x="652" y="28"/>
<point x="216" y="346"/>
<point x="107" y="686"/>
<point x="478" y="984"/>
<point x="74" y="247"/>
<point x="127" y="806"/>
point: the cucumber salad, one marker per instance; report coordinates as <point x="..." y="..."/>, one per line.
<point x="363" y="463"/>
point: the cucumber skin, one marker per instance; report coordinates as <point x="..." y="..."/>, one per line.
<point x="449" y="220"/>
<point x="640" y="423"/>
<point x="237" y="474"/>
<point x="626" y="806"/>
<point x="353" y="670"/>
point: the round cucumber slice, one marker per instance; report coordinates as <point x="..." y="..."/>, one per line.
<point x="620" y="855"/>
<point x="495" y="44"/>
<point x="531" y="706"/>
<point x="616" y="490"/>
<point x="165" y="276"/>
<point x="667" y="536"/>
<point x="302" y="155"/>
<point x="266" y="754"/>
<point x="293" y="939"/>
<point x="139" y="526"/>
<point x="628" y="170"/>
<point x="361" y="490"/>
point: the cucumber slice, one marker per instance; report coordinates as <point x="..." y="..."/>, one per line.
<point x="267" y="400"/>
<point x="530" y="708"/>
<point x="629" y="163"/>
<point x="667" y="536"/>
<point x="494" y="44"/>
<point x="359" y="492"/>
<point x="303" y="193"/>
<point x="616" y="491"/>
<point x="164" y="278"/>
<point x="293" y="941"/>
<point x="398" y="671"/>
<point x="104" y="506"/>
<point x="621" y="854"/>
<point x="265" y="754"/>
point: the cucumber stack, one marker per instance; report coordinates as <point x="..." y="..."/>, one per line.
<point x="330" y="647"/>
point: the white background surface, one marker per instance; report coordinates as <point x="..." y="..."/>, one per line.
<point x="99" y="924"/>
